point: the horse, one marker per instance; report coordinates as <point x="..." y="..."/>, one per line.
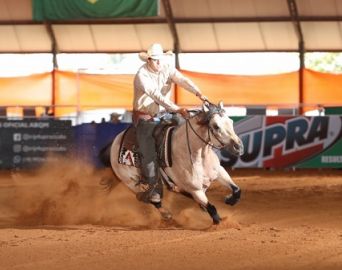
<point x="195" y="165"/>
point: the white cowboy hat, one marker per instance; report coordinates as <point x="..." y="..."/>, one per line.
<point x="155" y="52"/>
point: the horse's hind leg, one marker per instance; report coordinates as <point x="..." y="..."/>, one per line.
<point x="225" y="179"/>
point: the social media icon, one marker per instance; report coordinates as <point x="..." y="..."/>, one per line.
<point x="17" y="137"/>
<point x="16" y="148"/>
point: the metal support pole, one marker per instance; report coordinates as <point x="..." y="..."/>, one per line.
<point x="301" y="49"/>
<point x="54" y="50"/>
<point x="301" y="76"/>
<point x="173" y="29"/>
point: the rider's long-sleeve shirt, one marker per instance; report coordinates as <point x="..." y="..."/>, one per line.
<point x="152" y="90"/>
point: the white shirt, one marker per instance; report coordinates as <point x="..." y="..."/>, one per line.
<point x="152" y="90"/>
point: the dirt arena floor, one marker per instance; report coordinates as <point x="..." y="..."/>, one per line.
<point x="60" y="218"/>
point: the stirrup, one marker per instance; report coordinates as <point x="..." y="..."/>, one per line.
<point x="155" y="198"/>
<point x="147" y="193"/>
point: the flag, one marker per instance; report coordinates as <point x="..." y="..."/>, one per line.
<point x="92" y="9"/>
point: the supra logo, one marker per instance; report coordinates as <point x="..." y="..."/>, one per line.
<point x="282" y="141"/>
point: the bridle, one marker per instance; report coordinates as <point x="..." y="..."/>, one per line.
<point x="213" y="109"/>
<point x="209" y="142"/>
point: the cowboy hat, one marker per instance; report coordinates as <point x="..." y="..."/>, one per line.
<point x="155" y="51"/>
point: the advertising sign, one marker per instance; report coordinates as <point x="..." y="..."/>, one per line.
<point x="28" y="143"/>
<point x="280" y="142"/>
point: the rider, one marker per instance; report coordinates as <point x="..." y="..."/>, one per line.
<point x="152" y="90"/>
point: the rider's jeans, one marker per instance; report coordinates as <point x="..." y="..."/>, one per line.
<point x="147" y="149"/>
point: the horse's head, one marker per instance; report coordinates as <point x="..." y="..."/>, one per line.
<point x="221" y="127"/>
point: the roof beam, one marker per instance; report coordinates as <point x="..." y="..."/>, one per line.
<point x="256" y="19"/>
<point x="183" y="51"/>
<point x="295" y="19"/>
<point x="173" y="29"/>
<point x="176" y="20"/>
<point x="54" y="45"/>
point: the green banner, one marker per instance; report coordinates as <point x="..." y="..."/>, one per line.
<point x="331" y="158"/>
<point x="92" y="9"/>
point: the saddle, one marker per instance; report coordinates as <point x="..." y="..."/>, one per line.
<point x="129" y="149"/>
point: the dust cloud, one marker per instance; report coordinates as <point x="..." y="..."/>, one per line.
<point x="70" y="193"/>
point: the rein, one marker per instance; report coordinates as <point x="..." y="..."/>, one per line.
<point x="198" y="136"/>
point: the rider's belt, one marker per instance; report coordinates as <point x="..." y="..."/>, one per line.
<point x="137" y="115"/>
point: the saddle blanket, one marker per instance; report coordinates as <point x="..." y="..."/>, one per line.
<point x="129" y="150"/>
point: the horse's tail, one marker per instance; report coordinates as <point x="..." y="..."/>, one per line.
<point x="104" y="155"/>
<point x="107" y="182"/>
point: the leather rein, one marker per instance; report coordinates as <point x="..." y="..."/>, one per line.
<point x="209" y="142"/>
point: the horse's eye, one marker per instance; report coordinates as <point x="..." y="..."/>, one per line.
<point x="216" y="127"/>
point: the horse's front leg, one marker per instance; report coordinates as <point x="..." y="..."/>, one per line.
<point x="200" y="197"/>
<point x="225" y="179"/>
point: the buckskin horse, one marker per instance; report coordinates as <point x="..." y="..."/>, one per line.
<point x="190" y="162"/>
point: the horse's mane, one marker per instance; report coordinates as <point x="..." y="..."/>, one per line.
<point x="204" y="117"/>
<point x="197" y="113"/>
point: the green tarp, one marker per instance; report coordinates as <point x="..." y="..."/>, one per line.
<point x="92" y="9"/>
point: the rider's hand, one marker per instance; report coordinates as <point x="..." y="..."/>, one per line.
<point x="183" y="112"/>
<point x="202" y="97"/>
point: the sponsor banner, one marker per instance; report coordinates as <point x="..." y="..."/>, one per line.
<point x="281" y="142"/>
<point x="29" y="143"/>
<point x="92" y="9"/>
<point x="90" y="139"/>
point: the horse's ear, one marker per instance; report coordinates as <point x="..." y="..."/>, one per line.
<point x="205" y="107"/>
<point x="220" y="105"/>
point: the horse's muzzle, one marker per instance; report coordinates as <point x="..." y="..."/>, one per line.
<point x="238" y="148"/>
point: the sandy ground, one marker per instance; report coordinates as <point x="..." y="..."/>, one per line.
<point x="60" y="218"/>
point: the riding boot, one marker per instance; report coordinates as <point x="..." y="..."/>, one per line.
<point x="149" y="163"/>
<point x="148" y="192"/>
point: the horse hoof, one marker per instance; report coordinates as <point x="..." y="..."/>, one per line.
<point x="216" y="219"/>
<point x="231" y="200"/>
<point x="165" y="214"/>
